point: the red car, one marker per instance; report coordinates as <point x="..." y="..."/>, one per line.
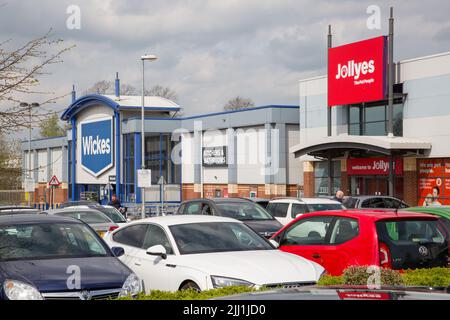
<point x="339" y="239"/>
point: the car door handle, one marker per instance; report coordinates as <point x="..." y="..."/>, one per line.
<point x="137" y="264"/>
<point x="316" y="255"/>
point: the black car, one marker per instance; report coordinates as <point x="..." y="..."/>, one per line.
<point x="45" y="257"/>
<point x="252" y="214"/>
<point x="261" y="201"/>
<point x="373" y="202"/>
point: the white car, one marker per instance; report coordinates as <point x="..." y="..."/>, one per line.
<point x="287" y="209"/>
<point x="204" y="252"/>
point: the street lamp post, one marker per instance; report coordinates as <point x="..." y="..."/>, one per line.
<point x="29" y="106"/>
<point x="148" y="57"/>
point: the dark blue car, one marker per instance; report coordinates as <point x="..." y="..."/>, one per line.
<point x="50" y="257"/>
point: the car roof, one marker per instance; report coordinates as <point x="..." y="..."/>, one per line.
<point x="243" y="200"/>
<point x="305" y="200"/>
<point x="442" y="211"/>
<point x="370" y="214"/>
<point x="171" y="220"/>
<point x="34" y="218"/>
<point x="368" y="197"/>
<point x="70" y="209"/>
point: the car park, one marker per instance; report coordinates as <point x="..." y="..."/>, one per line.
<point x="287" y="209"/>
<point x="390" y="239"/>
<point x="373" y="202"/>
<point x="41" y="257"/>
<point x="252" y="214"/>
<point x="98" y="221"/>
<point x="204" y="252"/>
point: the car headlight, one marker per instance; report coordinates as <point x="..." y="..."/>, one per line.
<point x="17" y="290"/>
<point x="131" y="286"/>
<point x="220" y="282"/>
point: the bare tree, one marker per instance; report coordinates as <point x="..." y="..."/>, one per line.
<point x="108" y="87"/>
<point x="10" y="164"/>
<point x="101" y="87"/>
<point x="238" y="103"/>
<point x="20" y="69"/>
<point x="164" y="92"/>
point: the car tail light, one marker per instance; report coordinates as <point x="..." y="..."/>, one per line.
<point x="113" y="228"/>
<point x="385" y="256"/>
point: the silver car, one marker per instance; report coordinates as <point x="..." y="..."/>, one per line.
<point x="97" y="220"/>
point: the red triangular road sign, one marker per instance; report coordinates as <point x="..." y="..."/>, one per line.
<point x="54" y="181"/>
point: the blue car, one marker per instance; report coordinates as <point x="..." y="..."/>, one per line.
<point x="50" y="257"/>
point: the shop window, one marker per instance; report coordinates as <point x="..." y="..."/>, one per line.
<point x="322" y="175"/>
<point x="369" y="120"/>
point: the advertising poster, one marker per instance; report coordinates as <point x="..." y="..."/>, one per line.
<point x="434" y="182"/>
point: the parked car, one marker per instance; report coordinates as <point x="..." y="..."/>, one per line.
<point x="94" y="218"/>
<point x="241" y="209"/>
<point x="339" y="239"/>
<point x="343" y="293"/>
<point x="204" y="252"/>
<point x="441" y="211"/>
<point x="16" y="209"/>
<point x="111" y="212"/>
<point x="78" y="203"/>
<point x="261" y="201"/>
<point x="287" y="209"/>
<point x="39" y="253"/>
<point x="373" y="202"/>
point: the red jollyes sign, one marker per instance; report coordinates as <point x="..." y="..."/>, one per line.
<point x="369" y="166"/>
<point x="357" y="72"/>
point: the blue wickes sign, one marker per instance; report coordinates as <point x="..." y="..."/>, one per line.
<point x="97" y="145"/>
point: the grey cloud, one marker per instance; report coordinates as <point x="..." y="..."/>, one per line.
<point x="210" y="51"/>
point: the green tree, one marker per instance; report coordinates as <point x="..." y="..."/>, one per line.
<point x="51" y="127"/>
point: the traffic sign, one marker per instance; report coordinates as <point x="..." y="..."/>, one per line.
<point x="144" y="177"/>
<point x="54" y="182"/>
<point x="29" y="185"/>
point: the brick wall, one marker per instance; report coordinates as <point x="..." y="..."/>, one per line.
<point x="308" y="179"/>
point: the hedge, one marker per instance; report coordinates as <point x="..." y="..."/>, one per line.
<point x="358" y="275"/>
<point x="354" y="275"/>
<point x="192" y="294"/>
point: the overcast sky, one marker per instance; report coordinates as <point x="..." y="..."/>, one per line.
<point x="211" y="51"/>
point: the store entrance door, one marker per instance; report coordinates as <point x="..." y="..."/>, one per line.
<point x="370" y="185"/>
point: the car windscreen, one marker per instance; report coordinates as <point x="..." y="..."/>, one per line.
<point x="243" y="211"/>
<point x="216" y="237"/>
<point x="312" y="207"/>
<point x="49" y="241"/>
<point x="90" y="217"/>
<point x="412" y="231"/>
<point x="113" y="214"/>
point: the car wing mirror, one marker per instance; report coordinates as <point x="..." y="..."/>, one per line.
<point x="118" y="251"/>
<point x="157" y="250"/>
<point x="274" y="243"/>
